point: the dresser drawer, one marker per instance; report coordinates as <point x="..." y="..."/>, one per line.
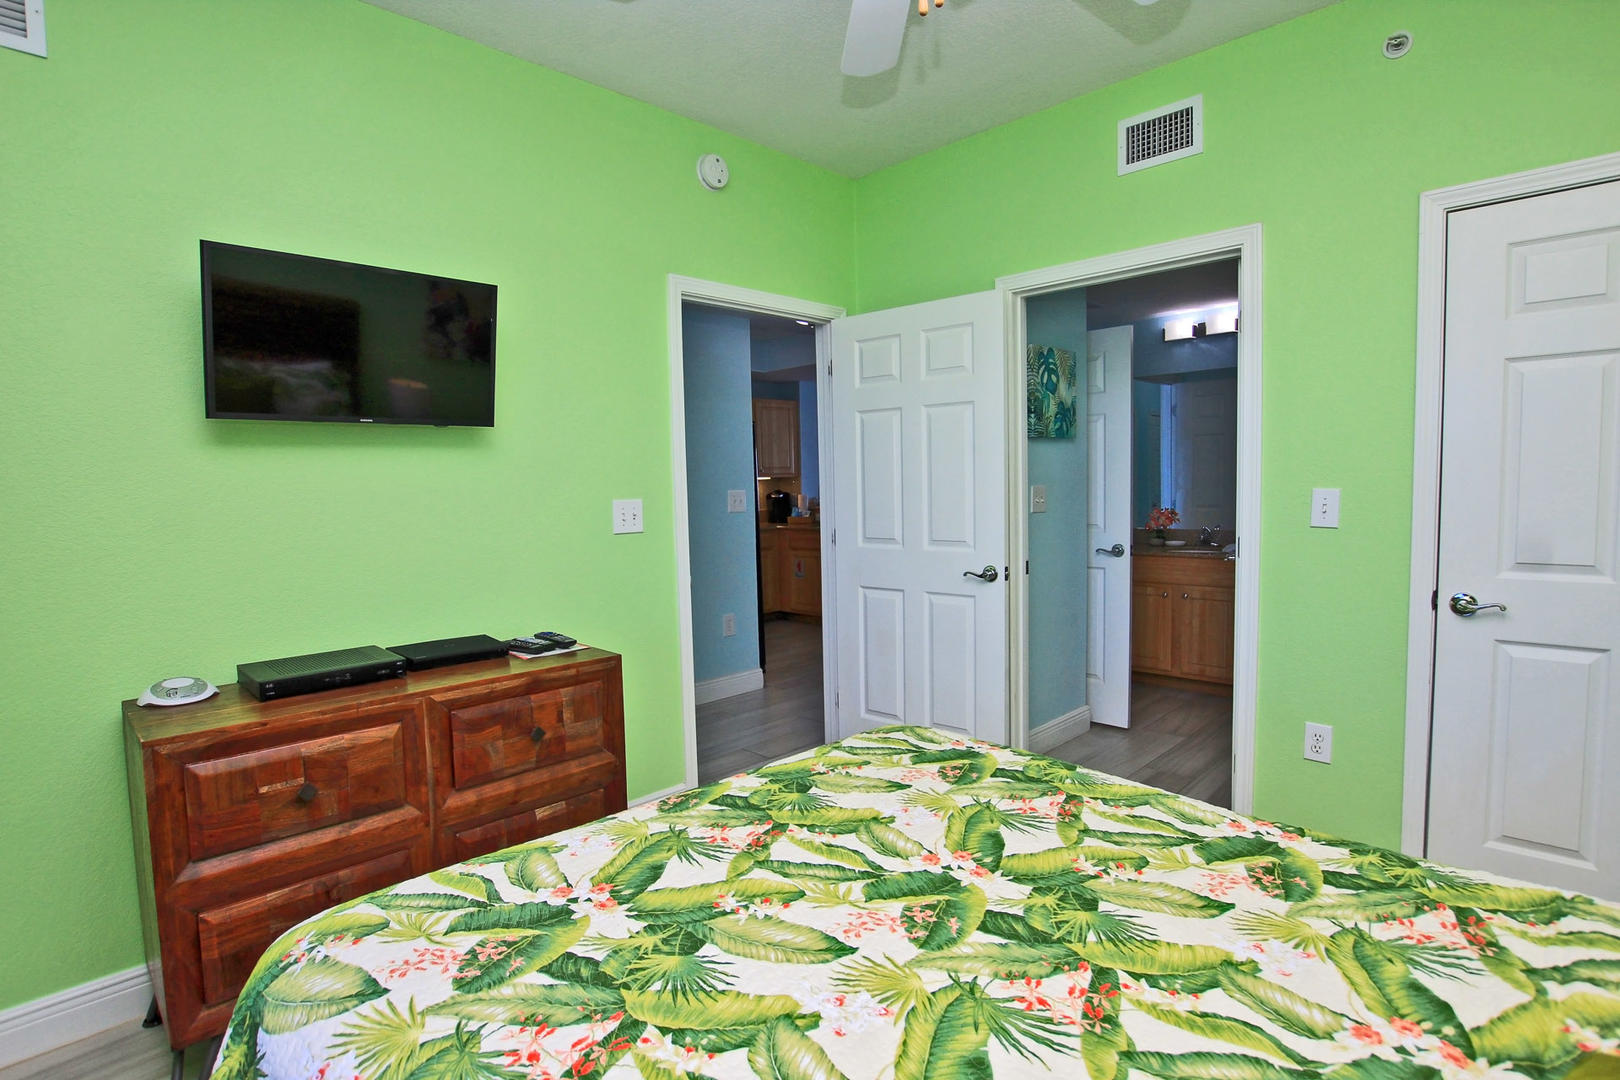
<point x="467" y="842"/>
<point x="231" y="938"/>
<point x="497" y="735"/>
<point x="250" y="798"/>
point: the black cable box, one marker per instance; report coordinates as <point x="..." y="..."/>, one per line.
<point x="272" y="679"/>
<point x="452" y="650"/>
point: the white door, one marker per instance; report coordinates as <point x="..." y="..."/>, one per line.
<point x="1526" y="738"/>
<point x="919" y="457"/>
<point x="1108" y="580"/>
<point x="1205" y="435"/>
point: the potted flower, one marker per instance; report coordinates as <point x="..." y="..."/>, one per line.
<point x="1161" y="518"/>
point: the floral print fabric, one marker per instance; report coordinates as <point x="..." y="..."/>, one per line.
<point x="903" y="905"/>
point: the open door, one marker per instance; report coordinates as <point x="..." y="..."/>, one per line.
<point x="1108" y="587"/>
<point x="920" y="505"/>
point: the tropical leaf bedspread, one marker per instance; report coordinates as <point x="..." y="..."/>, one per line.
<point x="904" y="906"/>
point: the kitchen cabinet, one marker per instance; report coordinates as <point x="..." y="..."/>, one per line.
<point x="1181" y="616"/>
<point x="790" y="569"/>
<point x="776" y="437"/>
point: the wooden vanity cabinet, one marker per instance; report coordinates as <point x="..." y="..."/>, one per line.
<point x="1181" y="617"/>
<point x="250" y="816"/>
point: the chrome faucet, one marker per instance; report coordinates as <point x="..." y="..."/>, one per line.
<point x="1209" y="537"/>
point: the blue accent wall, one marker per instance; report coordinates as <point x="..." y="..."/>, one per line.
<point x="1057" y="538"/>
<point x="720" y="458"/>
<point x="809" y="441"/>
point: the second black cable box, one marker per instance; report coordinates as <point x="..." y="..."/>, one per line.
<point x="455" y="650"/>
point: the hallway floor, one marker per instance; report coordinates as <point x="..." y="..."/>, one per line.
<point x="1179" y="740"/>
<point x="744" y="732"/>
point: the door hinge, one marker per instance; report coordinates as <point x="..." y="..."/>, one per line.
<point x="1434" y="600"/>
<point x="836" y="699"/>
<point x="1006" y="571"/>
<point x="1026" y="568"/>
<point x="835" y="538"/>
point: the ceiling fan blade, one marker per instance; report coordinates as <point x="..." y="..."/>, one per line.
<point x="872" y="42"/>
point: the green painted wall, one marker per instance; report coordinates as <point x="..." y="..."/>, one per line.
<point x="141" y="540"/>
<point x="126" y="518"/>
<point x="1309" y="131"/>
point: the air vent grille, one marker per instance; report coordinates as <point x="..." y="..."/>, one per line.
<point x="1175" y="131"/>
<point x="22" y="25"/>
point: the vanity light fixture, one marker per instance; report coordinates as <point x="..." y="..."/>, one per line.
<point x="1180" y="330"/>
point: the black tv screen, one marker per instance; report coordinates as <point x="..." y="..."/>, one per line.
<point x="291" y="337"/>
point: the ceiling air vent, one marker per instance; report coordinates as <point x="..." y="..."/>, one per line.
<point x="1153" y="138"/>
<point x="22" y="25"/>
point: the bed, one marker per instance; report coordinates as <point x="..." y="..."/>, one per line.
<point x="904" y="905"/>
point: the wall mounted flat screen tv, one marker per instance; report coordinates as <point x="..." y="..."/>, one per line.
<point x="291" y="337"/>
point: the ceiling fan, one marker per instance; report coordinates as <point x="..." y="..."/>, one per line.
<point x="876" y="27"/>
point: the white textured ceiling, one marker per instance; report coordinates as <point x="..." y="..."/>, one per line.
<point x="768" y="69"/>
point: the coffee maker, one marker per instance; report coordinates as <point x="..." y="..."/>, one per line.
<point x="777" y="506"/>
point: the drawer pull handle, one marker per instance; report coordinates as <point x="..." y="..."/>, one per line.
<point x="537" y="734"/>
<point x="1165" y="595"/>
<point x="1184" y="596"/>
<point x="307" y="793"/>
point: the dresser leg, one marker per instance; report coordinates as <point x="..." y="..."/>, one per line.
<point x="153" y="1016"/>
<point x="210" y="1057"/>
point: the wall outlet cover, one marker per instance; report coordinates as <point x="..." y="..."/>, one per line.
<point x="1037" y="498"/>
<point x="728" y="625"/>
<point x="627" y="515"/>
<point x="1319" y="743"/>
<point x="736" y="502"/>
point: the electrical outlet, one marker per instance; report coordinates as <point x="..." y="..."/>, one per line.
<point x="736" y="502"/>
<point x="728" y="625"/>
<point x="1037" y="499"/>
<point x="1319" y="743"/>
<point x="626" y="515"/>
<point x="1324" y="508"/>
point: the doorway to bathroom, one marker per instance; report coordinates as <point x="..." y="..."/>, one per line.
<point x="1132" y="524"/>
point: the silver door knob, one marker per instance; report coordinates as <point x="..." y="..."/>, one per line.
<point x="1466" y="605"/>
<point x="1117" y="551"/>
<point x="989" y="573"/>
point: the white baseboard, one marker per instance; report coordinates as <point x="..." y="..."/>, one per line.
<point x="662" y="793"/>
<point x="729" y="686"/>
<point x="1055" y="733"/>
<point x="63" y="1018"/>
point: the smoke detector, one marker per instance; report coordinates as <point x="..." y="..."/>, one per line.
<point x="1397" y="44"/>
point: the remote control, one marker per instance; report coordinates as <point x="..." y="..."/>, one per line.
<point x="559" y="641"/>
<point x="532" y="646"/>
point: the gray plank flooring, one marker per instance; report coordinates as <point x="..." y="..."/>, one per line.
<point x="739" y="733"/>
<point x="1179" y="740"/>
<point x="127" y="1052"/>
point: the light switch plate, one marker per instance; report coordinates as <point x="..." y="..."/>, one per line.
<point x="1324" y="508"/>
<point x="736" y="502"/>
<point x="1037" y="498"/>
<point x="728" y="625"/>
<point x="626" y="515"/>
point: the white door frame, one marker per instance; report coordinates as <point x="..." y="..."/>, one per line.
<point x="695" y="290"/>
<point x="1434" y="206"/>
<point x="1244" y="244"/>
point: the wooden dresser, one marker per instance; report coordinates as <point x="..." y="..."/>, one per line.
<point x="1181" y="618"/>
<point x="251" y="816"/>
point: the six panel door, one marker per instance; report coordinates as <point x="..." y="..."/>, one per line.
<point x="919" y="460"/>
<point x="1526" y="730"/>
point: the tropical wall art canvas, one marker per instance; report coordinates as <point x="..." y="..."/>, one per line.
<point x="1050" y="373"/>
